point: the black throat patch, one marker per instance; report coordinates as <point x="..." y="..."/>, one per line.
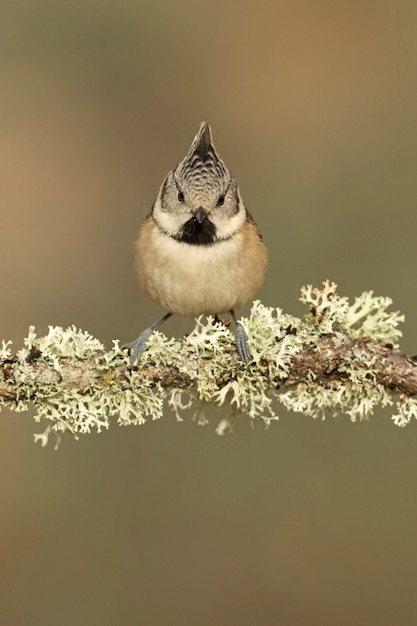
<point x="198" y="234"/>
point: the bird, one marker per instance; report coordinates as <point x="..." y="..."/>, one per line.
<point x="199" y="251"/>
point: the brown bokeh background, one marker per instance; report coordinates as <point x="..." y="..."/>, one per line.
<point x="313" y="107"/>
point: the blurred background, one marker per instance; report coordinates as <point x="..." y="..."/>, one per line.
<point x="313" y="108"/>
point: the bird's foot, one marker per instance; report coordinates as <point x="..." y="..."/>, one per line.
<point x="242" y="343"/>
<point x="138" y="346"/>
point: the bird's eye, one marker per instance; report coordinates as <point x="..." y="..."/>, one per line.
<point x="220" y="201"/>
<point x="181" y="196"/>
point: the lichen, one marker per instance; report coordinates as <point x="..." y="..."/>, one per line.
<point x="327" y="308"/>
<point x="5" y="352"/>
<point x="65" y="408"/>
<point x="207" y="358"/>
<point x="368" y="316"/>
<point x="407" y="410"/>
<point x="358" y="395"/>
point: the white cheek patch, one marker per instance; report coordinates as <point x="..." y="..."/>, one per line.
<point x="227" y="226"/>
<point x="169" y="221"/>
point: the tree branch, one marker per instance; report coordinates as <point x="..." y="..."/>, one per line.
<point x="341" y="359"/>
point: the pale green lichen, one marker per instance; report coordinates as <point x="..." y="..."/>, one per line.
<point x="407" y="410"/>
<point x="358" y="396"/>
<point x="327" y="308"/>
<point x="204" y="356"/>
<point x="72" y="343"/>
<point x="368" y="316"/>
<point x="356" y="400"/>
<point x="5" y="352"/>
<point x="65" y="408"/>
<point x="248" y="391"/>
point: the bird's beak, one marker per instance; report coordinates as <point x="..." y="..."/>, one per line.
<point x="200" y="215"/>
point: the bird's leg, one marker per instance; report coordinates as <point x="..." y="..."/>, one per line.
<point x="241" y="339"/>
<point x="138" y="346"/>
